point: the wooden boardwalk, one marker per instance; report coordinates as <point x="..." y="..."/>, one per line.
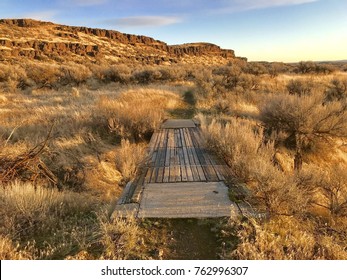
<point x="179" y="177"/>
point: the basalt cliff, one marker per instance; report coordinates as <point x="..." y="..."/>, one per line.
<point x="32" y="39"/>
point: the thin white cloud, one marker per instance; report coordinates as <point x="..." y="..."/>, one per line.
<point x="42" y="15"/>
<point x="83" y="3"/>
<point x="271" y="3"/>
<point x="90" y="2"/>
<point x="244" y="5"/>
<point x="144" y="21"/>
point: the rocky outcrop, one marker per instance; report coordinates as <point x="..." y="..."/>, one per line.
<point x="25" y="22"/>
<point x="33" y="48"/>
<point x="65" y="40"/>
<point x="117" y="36"/>
<point x="198" y="49"/>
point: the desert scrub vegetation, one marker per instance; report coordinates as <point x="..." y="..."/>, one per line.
<point x="29" y="75"/>
<point x="287" y="159"/>
<point x="101" y="117"/>
<point x="135" y="114"/>
<point x="305" y="120"/>
<point x="63" y="165"/>
<point x="288" y="238"/>
<point x="42" y="223"/>
<point x="305" y="209"/>
<point x="66" y="135"/>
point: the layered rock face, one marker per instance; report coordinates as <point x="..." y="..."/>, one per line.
<point x="40" y="40"/>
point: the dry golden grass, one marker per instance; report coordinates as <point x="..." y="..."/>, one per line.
<point x="91" y="164"/>
<point x="129" y="159"/>
<point x="305" y="209"/>
<point x="41" y="223"/>
<point x="120" y="238"/>
<point x="44" y="223"/>
<point x="10" y="250"/>
<point x="287" y="238"/>
<point x="130" y="117"/>
<point x="81" y="143"/>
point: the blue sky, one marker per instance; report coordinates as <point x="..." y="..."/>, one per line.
<point x="272" y="30"/>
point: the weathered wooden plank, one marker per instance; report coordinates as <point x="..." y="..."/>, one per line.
<point x="190" y="159"/>
<point x="198" y="159"/>
<point x="182" y="169"/>
<point x="149" y="174"/>
<point x="178" y="154"/>
<point x="210" y="172"/>
<point x="197" y="171"/>
<point x="158" y="150"/>
<point x="136" y="196"/>
<point x="184" y="176"/>
<point x="168" y="147"/>
<point x="160" y="177"/>
<point x="137" y="184"/>
<point x="172" y="168"/>
<point x="184" y="147"/>
<point x="195" y="159"/>
<point x="125" y="195"/>
<point x="201" y="173"/>
<point x="220" y="172"/>
<point x="201" y="167"/>
<point x="197" y="137"/>
<point x="166" y="177"/>
<point x="164" y="148"/>
<point x="153" y="149"/>
<point x="153" y="142"/>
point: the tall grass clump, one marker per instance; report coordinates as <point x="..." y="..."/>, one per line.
<point x="41" y="223"/>
<point x="120" y="238"/>
<point x="135" y="114"/>
<point x="129" y="158"/>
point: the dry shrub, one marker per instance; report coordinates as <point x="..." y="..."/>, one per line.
<point x="290" y="113"/>
<point x="129" y="158"/>
<point x="113" y="73"/>
<point x="300" y="87"/>
<point x="26" y="167"/>
<point x="305" y="119"/>
<point x="10" y="250"/>
<point x="237" y="141"/>
<point x="12" y="77"/>
<point x="286" y="238"/>
<point x="71" y="74"/>
<point x="45" y="223"/>
<point x="43" y="75"/>
<point x="77" y="148"/>
<point x="337" y="90"/>
<point x="130" y="238"/>
<point x="156" y="74"/>
<point x="136" y="114"/>
<point x="120" y="238"/>
<point x="328" y="186"/>
<point x="240" y="143"/>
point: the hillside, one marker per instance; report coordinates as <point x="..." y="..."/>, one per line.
<point x="27" y="38"/>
